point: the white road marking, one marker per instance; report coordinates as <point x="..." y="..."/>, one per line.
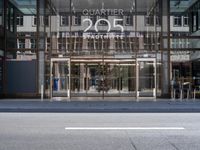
<point x="124" y="128"/>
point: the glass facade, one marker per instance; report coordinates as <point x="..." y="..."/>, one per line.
<point x="102" y="48"/>
<point x="112" y="48"/>
<point x="185" y="44"/>
<point x="1" y="44"/>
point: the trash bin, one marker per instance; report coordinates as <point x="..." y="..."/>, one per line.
<point x="55" y="83"/>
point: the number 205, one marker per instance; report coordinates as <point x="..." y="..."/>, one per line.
<point x="115" y="25"/>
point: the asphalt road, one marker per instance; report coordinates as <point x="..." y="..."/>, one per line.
<point x="99" y="131"/>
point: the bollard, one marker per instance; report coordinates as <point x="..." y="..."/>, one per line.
<point x="42" y="92"/>
<point x="174" y="94"/>
<point x="181" y="95"/>
<point x="188" y="94"/>
<point x="194" y="94"/>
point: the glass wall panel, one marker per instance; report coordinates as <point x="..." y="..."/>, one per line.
<point x="185" y="46"/>
<point x="146" y="78"/>
<point x="1" y="75"/>
<point x="1" y="12"/>
<point x="2" y="44"/>
<point x="60" y="78"/>
<point x="127" y="78"/>
<point x="20" y="51"/>
<point x="2" y="48"/>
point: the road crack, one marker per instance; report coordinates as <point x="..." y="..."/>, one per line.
<point x="131" y="141"/>
<point x="171" y="143"/>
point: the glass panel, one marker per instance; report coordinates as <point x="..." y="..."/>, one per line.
<point x="87" y="79"/>
<point x="47" y="78"/>
<point x="95" y="80"/>
<point x="60" y="79"/>
<point x="59" y="40"/>
<point x="127" y="79"/>
<point x="1" y="75"/>
<point x="112" y="79"/>
<point x="1" y="13"/>
<point x="146" y="79"/>
<point x="78" y="79"/>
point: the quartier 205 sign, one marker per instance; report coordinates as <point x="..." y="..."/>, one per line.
<point x="115" y="25"/>
<point x="111" y="24"/>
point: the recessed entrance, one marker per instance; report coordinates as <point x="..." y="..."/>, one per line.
<point x="103" y="78"/>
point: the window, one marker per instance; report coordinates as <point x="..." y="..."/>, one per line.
<point x="46" y="20"/>
<point x="64" y="20"/>
<point x="11" y="19"/>
<point x="158" y="20"/>
<point x="34" y="20"/>
<point x="33" y="43"/>
<point x="194" y="23"/>
<point x="103" y="23"/>
<point x="94" y="19"/>
<point x="48" y="45"/>
<point x="106" y="44"/>
<point x="199" y="17"/>
<point x="61" y="44"/>
<point x="194" y="17"/>
<point x="90" y="44"/>
<point x="129" y="20"/>
<point x="79" y="43"/>
<point x="98" y="44"/>
<point x="1" y="13"/>
<point x="21" y="43"/>
<point x="149" y="20"/>
<point x="185" y="21"/>
<point x="77" y="20"/>
<point x="20" y="20"/>
<point x="118" y="44"/>
<point x="120" y="22"/>
<point x="177" y="21"/>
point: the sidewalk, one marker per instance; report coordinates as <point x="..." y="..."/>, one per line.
<point x="35" y="105"/>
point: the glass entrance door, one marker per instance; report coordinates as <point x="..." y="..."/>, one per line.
<point x="120" y="78"/>
<point x="146" y="78"/>
<point x="108" y="78"/>
<point x="60" y="75"/>
<point x="87" y="78"/>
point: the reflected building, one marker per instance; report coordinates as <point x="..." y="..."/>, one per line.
<point x="103" y="48"/>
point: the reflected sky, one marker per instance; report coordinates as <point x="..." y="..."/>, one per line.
<point x="180" y="6"/>
<point x="27" y="7"/>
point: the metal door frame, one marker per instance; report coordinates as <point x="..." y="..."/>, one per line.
<point x="137" y="78"/>
<point x="67" y="60"/>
